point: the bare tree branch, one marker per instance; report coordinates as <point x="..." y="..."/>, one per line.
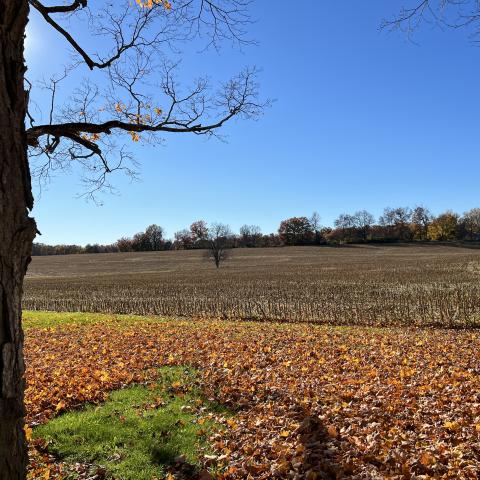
<point x="141" y="96"/>
<point x="64" y="8"/>
<point x="445" y="13"/>
<point x="238" y="97"/>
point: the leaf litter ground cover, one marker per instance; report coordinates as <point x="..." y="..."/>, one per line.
<point x="308" y="401"/>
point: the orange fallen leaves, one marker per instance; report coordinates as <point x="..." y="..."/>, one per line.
<point x="306" y="407"/>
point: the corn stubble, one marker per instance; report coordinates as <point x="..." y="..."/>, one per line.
<point x="425" y="285"/>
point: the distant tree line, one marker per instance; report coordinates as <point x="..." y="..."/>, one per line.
<point x="401" y="224"/>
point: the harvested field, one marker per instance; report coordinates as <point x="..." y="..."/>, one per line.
<point x="356" y="285"/>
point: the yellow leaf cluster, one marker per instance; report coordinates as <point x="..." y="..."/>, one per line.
<point x="150" y="3"/>
<point x="135" y="136"/>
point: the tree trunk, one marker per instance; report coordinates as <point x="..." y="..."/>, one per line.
<point x="17" y="231"/>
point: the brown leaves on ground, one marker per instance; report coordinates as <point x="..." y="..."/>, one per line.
<point x="311" y="402"/>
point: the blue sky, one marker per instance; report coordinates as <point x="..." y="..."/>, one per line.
<point x="363" y="119"/>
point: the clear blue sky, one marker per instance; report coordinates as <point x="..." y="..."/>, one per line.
<point x="363" y="119"/>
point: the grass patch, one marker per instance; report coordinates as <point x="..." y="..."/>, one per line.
<point x="139" y="431"/>
<point x="46" y="319"/>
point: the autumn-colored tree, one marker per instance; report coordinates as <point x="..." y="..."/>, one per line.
<point x="183" y="239"/>
<point x="296" y="231"/>
<point x="91" y="129"/>
<point x="420" y="220"/>
<point x="124" y="244"/>
<point x="335" y="236"/>
<point x="397" y="223"/>
<point x="199" y="233"/>
<point x="444" y="227"/>
<point x="140" y="242"/>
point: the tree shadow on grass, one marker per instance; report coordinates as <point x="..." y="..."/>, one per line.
<point x="177" y="464"/>
<point x="319" y="451"/>
<point x="164" y="455"/>
<point x="174" y="463"/>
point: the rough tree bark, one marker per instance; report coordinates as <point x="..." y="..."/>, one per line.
<point x="17" y="231"/>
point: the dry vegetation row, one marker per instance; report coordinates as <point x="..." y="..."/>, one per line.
<point x="370" y="285"/>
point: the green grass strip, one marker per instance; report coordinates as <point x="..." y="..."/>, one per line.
<point x="139" y="431"/>
<point x="45" y="319"/>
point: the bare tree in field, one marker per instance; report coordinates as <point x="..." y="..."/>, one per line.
<point x="143" y="98"/>
<point x="219" y="243"/>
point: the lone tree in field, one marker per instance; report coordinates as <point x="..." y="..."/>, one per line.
<point x="219" y="241"/>
<point x="143" y="99"/>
